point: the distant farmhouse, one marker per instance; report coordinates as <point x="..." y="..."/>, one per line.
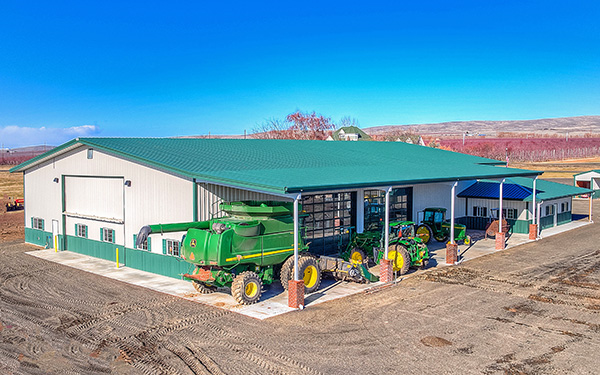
<point x="349" y="133"/>
<point x="589" y="180"/>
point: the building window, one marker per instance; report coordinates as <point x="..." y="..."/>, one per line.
<point x="564" y="207"/>
<point x="329" y="215"/>
<point x="549" y="210"/>
<point x="81" y="230"/>
<point x="479" y="211"/>
<point x="171" y="247"/>
<point x="90" y="153"/>
<point x="510" y="213"/>
<point x="400" y="206"/>
<point x="37" y="223"/>
<point x="107" y="235"/>
<point x="146" y="245"/>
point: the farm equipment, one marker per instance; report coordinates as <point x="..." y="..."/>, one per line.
<point x="435" y="225"/>
<point x="249" y="248"/>
<point x="405" y="249"/>
<point x="15" y="205"/>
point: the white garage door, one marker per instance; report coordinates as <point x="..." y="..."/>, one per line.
<point x="97" y="197"/>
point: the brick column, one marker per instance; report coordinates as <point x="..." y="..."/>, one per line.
<point x="386" y="271"/>
<point x="451" y="253"/>
<point x="296" y="294"/>
<point x="533" y="230"/>
<point x="500" y="241"/>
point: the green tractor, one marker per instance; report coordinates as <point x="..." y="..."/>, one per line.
<point x="245" y="250"/>
<point x="405" y="248"/>
<point x="435" y="225"/>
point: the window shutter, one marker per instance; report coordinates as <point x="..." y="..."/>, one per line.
<point x="101" y="234"/>
<point x="149" y="247"/>
<point x="43" y="227"/>
<point x="76" y="231"/>
<point x="86" y="231"/>
<point x="32" y="222"/>
<point x="134" y="241"/>
<point x="113" y="235"/>
<point x="164" y="246"/>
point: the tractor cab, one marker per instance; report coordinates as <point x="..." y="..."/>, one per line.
<point x="434" y="217"/>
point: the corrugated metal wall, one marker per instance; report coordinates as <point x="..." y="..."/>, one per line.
<point x="95" y="196"/>
<point x="210" y="195"/>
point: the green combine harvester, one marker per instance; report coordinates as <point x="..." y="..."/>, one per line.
<point x="250" y="247"/>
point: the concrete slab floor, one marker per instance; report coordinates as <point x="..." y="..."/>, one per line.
<point x="274" y="300"/>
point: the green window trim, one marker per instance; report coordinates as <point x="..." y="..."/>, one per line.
<point x="77" y="226"/>
<point x="102" y="235"/>
<point x="148" y="243"/>
<point x="164" y="241"/>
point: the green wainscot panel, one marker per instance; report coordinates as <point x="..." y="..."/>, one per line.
<point x="547" y="222"/>
<point x="160" y="264"/>
<point x="39" y="237"/>
<point x="564" y="217"/>
<point x="97" y="249"/>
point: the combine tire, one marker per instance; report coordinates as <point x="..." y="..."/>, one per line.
<point x="400" y="258"/>
<point x="287" y="272"/>
<point x="246" y="288"/>
<point x="424" y="232"/>
<point x="357" y="256"/>
<point x="309" y="271"/>
<point x="203" y="288"/>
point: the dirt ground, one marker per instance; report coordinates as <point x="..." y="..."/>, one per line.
<point x="562" y="168"/>
<point x="533" y="309"/>
<point x="11" y="223"/>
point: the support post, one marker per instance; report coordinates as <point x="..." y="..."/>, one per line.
<point x="452" y="247"/>
<point x="360" y="210"/>
<point x="386" y="269"/>
<point x="500" y="237"/>
<point x="296" y="285"/>
<point x="117" y="256"/>
<point x="591" y="205"/>
<point x="533" y="227"/>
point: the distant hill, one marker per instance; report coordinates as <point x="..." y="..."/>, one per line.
<point x="580" y="125"/>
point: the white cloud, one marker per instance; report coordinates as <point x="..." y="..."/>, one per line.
<point x="19" y="136"/>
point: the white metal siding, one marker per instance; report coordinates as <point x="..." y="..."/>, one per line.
<point x="210" y="195"/>
<point x="154" y="196"/>
<point x="438" y="195"/>
<point x="94" y="196"/>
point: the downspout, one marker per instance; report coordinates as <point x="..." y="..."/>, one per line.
<point x="387" y="222"/>
<point x="296" y="272"/>
<point x="533" y="201"/>
<point x="500" y="209"/>
<point x="452" y="212"/>
<point x="539" y="209"/>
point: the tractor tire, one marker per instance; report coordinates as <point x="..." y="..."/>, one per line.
<point x="287" y="272"/>
<point x="400" y="258"/>
<point x="246" y="288"/>
<point x="309" y="271"/>
<point x="203" y="288"/>
<point x="424" y="232"/>
<point x="441" y="238"/>
<point x="467" y="240"/>
<point x="357" y="256"/>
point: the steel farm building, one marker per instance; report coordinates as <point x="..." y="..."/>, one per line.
<point x="92" y="195"/>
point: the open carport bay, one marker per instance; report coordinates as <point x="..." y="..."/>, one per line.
<point x="532" y="309"/>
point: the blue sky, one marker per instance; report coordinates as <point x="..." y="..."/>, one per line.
<point x="193" y="67"/>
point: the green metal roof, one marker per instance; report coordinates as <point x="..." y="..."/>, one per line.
<point x="289" y="166"/>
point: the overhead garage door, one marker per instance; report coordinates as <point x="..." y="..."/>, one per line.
<point x="98" y="197"/>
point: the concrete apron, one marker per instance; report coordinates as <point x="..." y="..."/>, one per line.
<point x="274" y="300"/>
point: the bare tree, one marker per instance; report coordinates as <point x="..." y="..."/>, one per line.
<point x="297" y="125"/>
